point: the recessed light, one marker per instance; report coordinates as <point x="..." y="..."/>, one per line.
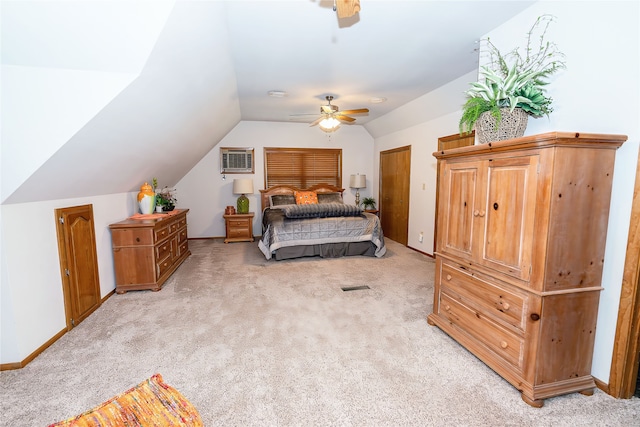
<point x="377" y="100"/>
<point x="277" y="93"/>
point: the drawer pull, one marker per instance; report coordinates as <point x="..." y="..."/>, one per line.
<point x="504" y="344"/>
<point x="137" y="239"/>
<point x="447" y="307"/>
<point x="448" y="277"/>
<point x="506" y="306"/>
<point x="535" y="316"/>
<point x="476" y="213"/>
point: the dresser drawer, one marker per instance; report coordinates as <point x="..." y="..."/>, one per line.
<point x="131" y="237"/>
<point x="183" y="247"/>
<point x="239" y="223"/>
<point x="182" y="235"/>
<point x="164" y="265"/>
<point x="238" y="232"/>
<point x="163" y="250"/>
<point x="503" y="305"/>
<point x="182" y="222"/>
<point x="162" y="233"/>
<point x="503" y="343"/>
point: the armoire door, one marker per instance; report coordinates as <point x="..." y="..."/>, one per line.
<point x="395" y="170"/>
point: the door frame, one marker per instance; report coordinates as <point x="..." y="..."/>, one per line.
<point x="625" y="360"/>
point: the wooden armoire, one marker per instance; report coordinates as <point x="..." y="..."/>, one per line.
<point x="521" y="237"/>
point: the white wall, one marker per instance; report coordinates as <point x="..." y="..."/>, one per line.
<point x="31" y="289"/>
<point x="204" y="191"/>
<point x="598" y="93"/>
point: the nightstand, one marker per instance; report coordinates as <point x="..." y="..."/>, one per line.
<point x="373" y="211"/>
<point x="239" y="227"/>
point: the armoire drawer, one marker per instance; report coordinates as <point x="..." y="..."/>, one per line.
<point x="503" y="343"/>
<point x="504" y="305"/>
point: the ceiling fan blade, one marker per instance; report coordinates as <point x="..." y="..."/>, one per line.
<point x="347" y="8"/>
<point x="344" y="118"/>
<point x="315" y="122"/>
<point x="358" y="111"/>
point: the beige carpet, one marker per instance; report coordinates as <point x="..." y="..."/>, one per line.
<point x="252" y="342"/>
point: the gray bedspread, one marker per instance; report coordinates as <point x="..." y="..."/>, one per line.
<point x="279" y="231"/>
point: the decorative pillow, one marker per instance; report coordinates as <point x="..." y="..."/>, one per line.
<point x="322" y="210"/>
<point x="150" y="403"/>
<point x="306" y="197"/>
<point x="281" y="199"/>
<point x="330" y="198"/>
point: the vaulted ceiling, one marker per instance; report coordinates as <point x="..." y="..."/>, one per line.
<point x="90" y="88"/>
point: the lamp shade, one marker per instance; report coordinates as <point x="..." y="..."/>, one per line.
<point x="358" y="181"/>
<point x="329" y="124"/>
<point x="243" y="186"/>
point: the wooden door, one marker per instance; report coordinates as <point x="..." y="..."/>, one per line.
<point x="395" y="170"/>
<point x="78" y="262"/>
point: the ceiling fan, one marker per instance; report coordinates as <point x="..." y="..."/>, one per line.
<point x="331" y="117"/>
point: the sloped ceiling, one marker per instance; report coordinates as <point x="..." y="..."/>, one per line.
<point x="97" y="96"/>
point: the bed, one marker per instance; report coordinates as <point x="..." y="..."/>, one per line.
<point x="326" y="228"/>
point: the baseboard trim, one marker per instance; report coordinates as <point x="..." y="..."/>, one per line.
<point x="25" y="362"/>
<point x="421" y="252"/>
<point x="43" y="347"/>
<point x="602" y="385"/>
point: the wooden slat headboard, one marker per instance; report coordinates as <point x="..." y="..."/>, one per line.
<point x="290" y="190"/>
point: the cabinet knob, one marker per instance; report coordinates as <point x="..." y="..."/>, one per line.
<point x="476" y="213"/>
<point x="447" y="307"/>
<point x="506" y="306"/>
<point x="482" y="213"/>
<point x="504" y="344"/>
<point x="137" y="239"/>
<point x="448" y="277"/>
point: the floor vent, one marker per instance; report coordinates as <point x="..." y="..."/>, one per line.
<point x="355" y="288"/>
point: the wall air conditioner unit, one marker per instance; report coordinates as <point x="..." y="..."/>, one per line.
<point x="236" y="160"/>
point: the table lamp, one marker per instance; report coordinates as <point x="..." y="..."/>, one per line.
<point x="243" y="187"/>
<point x="358" y="181"/>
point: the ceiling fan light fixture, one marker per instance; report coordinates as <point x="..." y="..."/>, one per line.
<point x="329" y="124"/>
<point x="377" y="100"/>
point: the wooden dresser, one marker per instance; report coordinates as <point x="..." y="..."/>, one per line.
<point x="521" y="237"/>
<point x="147" y="251"/>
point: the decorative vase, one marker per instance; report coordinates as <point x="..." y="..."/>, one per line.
<point x="146" y="199"/>
<point x="243" y="204"/>
<point x="512" y="125"/>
